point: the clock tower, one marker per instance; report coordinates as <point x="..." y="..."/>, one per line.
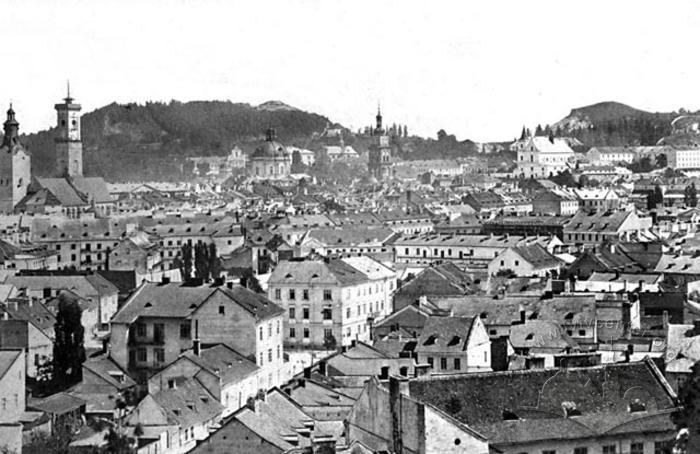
<point x="69" y="147"/>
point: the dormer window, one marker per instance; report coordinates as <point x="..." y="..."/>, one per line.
<point x="431" y="340"/>
<point x="530" y="336"/>
<point x="637" y="406"/>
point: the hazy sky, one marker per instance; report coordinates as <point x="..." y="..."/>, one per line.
<point x="478" y="69"/>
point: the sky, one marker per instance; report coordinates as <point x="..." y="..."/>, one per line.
<point x="479" y="70"/>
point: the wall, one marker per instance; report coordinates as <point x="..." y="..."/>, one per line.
<point x="443" y="437"/>
<point x="12" y="390"/>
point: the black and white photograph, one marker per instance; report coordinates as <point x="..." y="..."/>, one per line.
<point x="349" y="227"/>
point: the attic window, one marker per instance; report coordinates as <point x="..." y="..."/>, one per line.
<point x="530" y="336"/>
<point x="176" y="411"/>
<point x="533" y="316"/>
<point x="484" y="314"/>
<point x="314" y="276"/>
<point x="431" y="340"/>
<point x="637" y="406"/>
<point x="340" y="240"/>
<point x="204" y="399"/>
<point x="148" y="304"/>
<point x="569" y="316"/>
<point x="190" y="405"/>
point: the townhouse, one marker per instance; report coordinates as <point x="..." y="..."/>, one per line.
<point x="159" y="321"/>
<point x="336" y="299"/>
<point x="596" y="228"/>
<point x="454" y="345"/>
<point x="557" y="202"/>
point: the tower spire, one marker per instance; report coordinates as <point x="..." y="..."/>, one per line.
<point x="379" y="117"/>
<point x="68" y="99"/>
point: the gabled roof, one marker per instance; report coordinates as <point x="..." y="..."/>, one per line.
<point x="537" y="256"/>
<point x="188" y="404"/>
<point x="441" y="334"/>
<point x="224" y="362"/>
<point x="332" y="272"/>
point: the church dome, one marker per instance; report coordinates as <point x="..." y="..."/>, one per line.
<point x="270" y="148"/>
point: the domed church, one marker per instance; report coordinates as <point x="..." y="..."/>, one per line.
<point x="271" y="160"/>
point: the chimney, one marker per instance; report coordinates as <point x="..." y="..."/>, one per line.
<point x="302" y="383"/>
<point x="196" y="343"/>
<point x="396" y="420"/>
<point x="307" y="372"/>
<point x="322" y="367"/>
<point x="229" y="285"/>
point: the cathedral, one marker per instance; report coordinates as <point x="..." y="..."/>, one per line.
<point x="380" y="152"/>
<point x="15" y="165"/>
<point x="271" y="160"/>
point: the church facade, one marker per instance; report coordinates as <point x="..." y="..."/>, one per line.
<point x="271" y="160"/>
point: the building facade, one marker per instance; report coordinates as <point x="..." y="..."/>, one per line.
<point x="15" y="165"/>
<point x="69" y="146"/>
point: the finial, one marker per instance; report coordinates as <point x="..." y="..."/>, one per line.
<point x="68" y="99"/>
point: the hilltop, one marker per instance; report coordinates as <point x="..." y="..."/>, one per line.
<point x="152" y="140"/>
<point x="614" y="123"/>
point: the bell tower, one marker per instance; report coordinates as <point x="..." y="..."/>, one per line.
<point x="380" y="151"/>
<point x="69" y="147"/>
<point x="15" y="165"/>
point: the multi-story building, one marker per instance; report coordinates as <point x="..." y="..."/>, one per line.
<point x="543" y="157"/>
<point x="332" y="301"/>
<point x="603" y="226"/>
<point x="454" y="345"/>
<point x="591" y="199"/>
<point x="139" y="253"/>
<point x="12" y="399"/>
<point x="159" y="321"/>
<point x="557" y="201"/>
<point x="271" y="160"/>
<point x="470" y="250"/>
<point x="27" y="324"/>
<point x="683" y="158"/>
<point x="611" y="155"/>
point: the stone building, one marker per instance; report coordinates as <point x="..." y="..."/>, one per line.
<point x="15" y="165"/>
<point x="271" y="160"/>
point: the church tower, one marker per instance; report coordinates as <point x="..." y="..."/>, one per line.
<point x="69" y="147"/>
<point x="15" y="165"/>
<point x="380" y="151"/>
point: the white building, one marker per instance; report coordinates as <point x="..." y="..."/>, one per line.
<point x="684" y="159"/>
<point x="542" y="157"/>
<point x="335" y="297"/>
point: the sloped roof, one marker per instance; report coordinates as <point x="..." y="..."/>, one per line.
<point x="188" y="404"/>
<point x="334" y="271"/>
<point x="602" y="395"/>
<point x="94" y="187"/>
<point x="225" y="362"/>
<point x="537" y="256"/>
<point x="442" y="334"/>
<point x="63" y="191"/>
<point x="536" y="334"/>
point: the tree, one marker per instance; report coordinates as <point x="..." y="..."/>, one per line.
<point x="441" y="135"/>
<point x="405" y="131"/>
<point x="688" y="416"/>
<point x="186" y="269"/>
<point x="69" y="346"/>
<point x="690" y="196"/>
<point x="655" y="198"/>
<point x="249" y="281"/>
<point x="214" y="262"/>
<point x="539" y="131"/>
<point x="661" y="161"/>
<point x="329" y="342"/>
<point x="201" y="261"/>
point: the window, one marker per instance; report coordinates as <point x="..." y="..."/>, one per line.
<point x="327" y="295"/>
<point x="637" y="448"/>
<point x="142" y="354"/>
<point x="269" y="355"/>
<point x="580" y="450"/>
<point x="549" y="451"/>
<point x="262" y="358"/>
<point x="430" y="361"/>
<point x="327" y="313"/>
<point x="327" y="333"/>
<point x="292" y="333"/>
<point x="347" y="313"/>
<point x="222" y="310"/>
<point x="279" y="352"/>
<point x="277" y="329"/>
<point x="458" y="364"/>
<point x="261" y="333"/>
<point x="609" y="449"/>
<point x="292" y="313"/>
<point x="185" y="331"/>
<point x="306" y="333"/>
<point x="278" y="293"/>
<point x="141" y="329"/>
<point x="305" y="313"/>
<point x="159" y="354"/>
<point x="663" y="447"/>
<point x="269" y="329"/>
<point x="292" y="294"/>
<point x="305" y="294"/>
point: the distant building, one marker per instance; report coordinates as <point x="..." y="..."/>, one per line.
<point x="69" y="147"/>
<point x="380" y="152"/>
<point x="683" y="158"/>
<point x="558" y="202"/>
<point x="15" y="166"/>
<point x="453" y="345"/>
<point x="543" y="158"/>
<point x="611" y="155"/>
<point x="271" y="160"/>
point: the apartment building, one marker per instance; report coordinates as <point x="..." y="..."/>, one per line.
<point x="335" y="299"/>
<point x="160" y="321"/>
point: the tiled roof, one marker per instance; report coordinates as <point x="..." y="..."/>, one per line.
<point x="537" y="256"/>
<point x="442" y="334"/>
<point x="225" y="362"/>
<point x="601" y="394"/>
<point x="188" y="404"/>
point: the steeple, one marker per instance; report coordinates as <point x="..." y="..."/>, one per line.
<point x="68" y="99"/>
<point x="11" y="127"/>
<point x="379" y="117"/>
